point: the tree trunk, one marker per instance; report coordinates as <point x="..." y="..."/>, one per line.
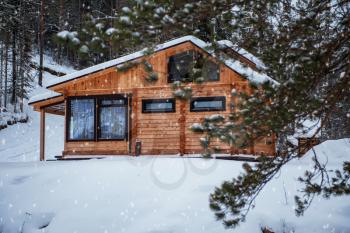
<point x="6" y="63"/>
<point x="61" y="17"/>
<point x="1" y="71"/>
<point x="41" y="43"/>
<point x="61" y="27"/>
<point x="14" y="72"/>
<point x="21" y="74"/>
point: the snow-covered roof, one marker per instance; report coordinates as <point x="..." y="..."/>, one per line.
<point x="47" y="94"/>
<point x="249" y="73"/>
<point x="307" y="128"/>
<point x="242" y="52"/>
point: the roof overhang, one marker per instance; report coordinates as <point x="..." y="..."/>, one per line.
<point x="54" y="105"/>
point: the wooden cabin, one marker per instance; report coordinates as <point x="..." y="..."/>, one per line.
<point x="112" y="112"/>
<point x="306" y="143"/>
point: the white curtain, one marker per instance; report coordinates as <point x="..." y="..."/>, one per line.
<point x="81" y="124"/>
<point x="112" y="122"/>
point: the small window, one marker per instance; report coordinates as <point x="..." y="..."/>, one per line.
<point x="158" y="105"/>
<point x="106" y="102"/>
<point x="201" y="104"/>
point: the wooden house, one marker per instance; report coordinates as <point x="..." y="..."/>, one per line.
<point x="112" y="112"/>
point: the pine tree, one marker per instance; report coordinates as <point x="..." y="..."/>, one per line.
<point x="1" y="71"/>
<point x="41" y="42"/>
<point x="17" y="30"/>
<point x="14" y="69"/>
<point x="5" y="71"/>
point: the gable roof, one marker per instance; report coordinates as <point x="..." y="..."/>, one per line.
<point x="234" y="64"/>
<point x="237" y="66"/>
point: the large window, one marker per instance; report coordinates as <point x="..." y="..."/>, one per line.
<point x="181" y="65"/>
<point x="112" y="119"/>
<point x="82" y="119"/>
<point x="201" y="104"/>
<point x="158" y="105"/>
<point x="97" y="118"/>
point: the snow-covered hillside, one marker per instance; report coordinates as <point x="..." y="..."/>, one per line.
<point x="20" y="142"/>
<point x="150" y="194"/>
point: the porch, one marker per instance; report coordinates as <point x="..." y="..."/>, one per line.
<point x="93" y="126"/>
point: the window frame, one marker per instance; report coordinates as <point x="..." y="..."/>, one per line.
<point x="69" y="100"/>
<point x="98" y="110"/>
<point x="97" y="100"/>
<point x="167" y="100"/>
<point x="208" y="98"/>
<point x="218" y="73"/>
<point x="188" y="52"/>
<point x="193" y="53"/>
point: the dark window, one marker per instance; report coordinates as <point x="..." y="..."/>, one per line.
<point x="210" y="71"/>
<point x="200" y="104"/>
<point x="158" y="105"/>
<point x="112" y="119"/>
<point x="81" y="119"/>
<point x="180" y="67"/>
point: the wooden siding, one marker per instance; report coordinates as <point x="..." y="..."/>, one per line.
<point x="159" y="133"/>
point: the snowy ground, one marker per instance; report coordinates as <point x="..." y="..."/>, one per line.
<point x="20" y="142"/>
<point x="145" y="194"/>
<point x="149" y="194"/>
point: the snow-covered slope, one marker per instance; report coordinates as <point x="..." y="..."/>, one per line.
<point x="150" y="194"/>
<point x="20" y="142"/>
<point x="51" y="64"/>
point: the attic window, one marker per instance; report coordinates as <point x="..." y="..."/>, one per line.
<point x="181" y="65"/>
<point x="211" y="71"/>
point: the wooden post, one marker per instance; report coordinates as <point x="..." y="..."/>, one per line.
<point x="42" y="134"/>
<point x="65" y="124"/>
<point x="252" y="149"/>
<point x="134" y="117"/>
<point x="129" y="109"/>
<point x="182" y="122"/>
<point x="232" y="107"/>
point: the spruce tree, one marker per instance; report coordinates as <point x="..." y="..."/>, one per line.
<point x="17" y="35"/>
